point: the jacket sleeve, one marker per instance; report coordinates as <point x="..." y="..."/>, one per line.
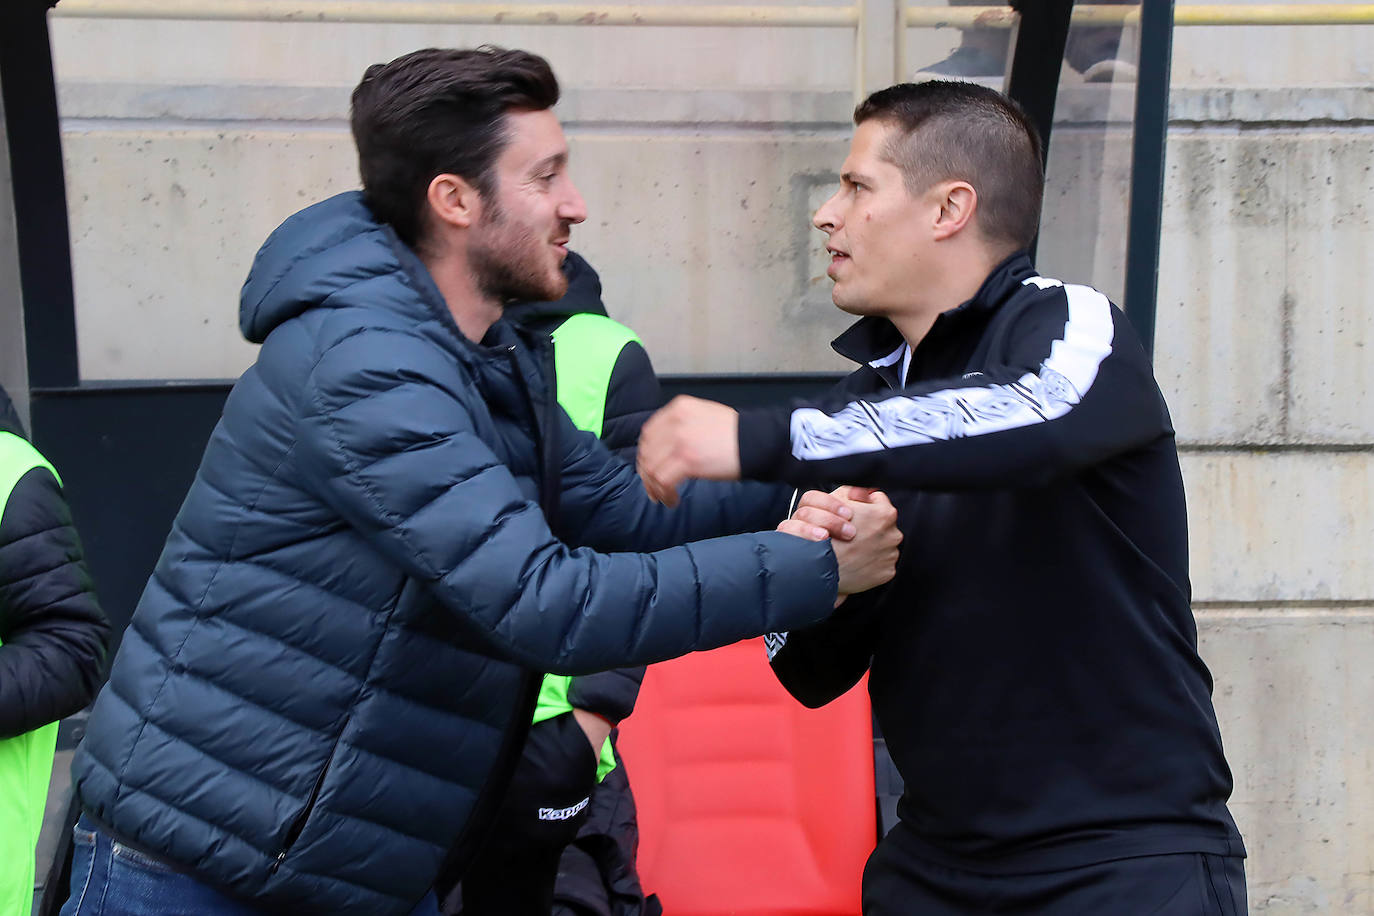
<point x="632" y="395"/>
<point x="604" y="505"/>
<point x="609" y="694"/>
<point x="53" y="631"/>
<point x="388" y="440"/>
<point x="1075" y="388"/>
<point x="816" y="664"/>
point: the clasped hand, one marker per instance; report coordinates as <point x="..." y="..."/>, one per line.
<point x="692" y="438"/>
<point x="862" y="526"/>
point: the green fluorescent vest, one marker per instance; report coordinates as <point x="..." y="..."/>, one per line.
<point x="25" y="760"/>
<point x="585" y="349"/>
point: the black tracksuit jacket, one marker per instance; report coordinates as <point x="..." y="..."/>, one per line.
<point x="1034" y="663"/>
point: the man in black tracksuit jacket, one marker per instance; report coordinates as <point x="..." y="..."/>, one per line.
<point x="1033" y="665"/>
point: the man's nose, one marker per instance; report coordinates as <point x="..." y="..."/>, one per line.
<point x="826" y="218"/>
<point x="574" y="208"/>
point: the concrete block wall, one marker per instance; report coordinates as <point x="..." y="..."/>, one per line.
<point x="702" y="153"/>
<point x="1266" y="324"/>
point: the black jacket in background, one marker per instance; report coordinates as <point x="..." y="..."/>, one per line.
<point x="1034" y="662"/>
<point x="53" y="635"/>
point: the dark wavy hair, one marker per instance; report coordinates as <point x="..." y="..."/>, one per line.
<point x="437" y="111"/>
<point x="957" y="130"/>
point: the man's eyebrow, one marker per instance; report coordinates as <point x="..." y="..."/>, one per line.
<point x="550" y="162"/>
<point x="855" y="178"/>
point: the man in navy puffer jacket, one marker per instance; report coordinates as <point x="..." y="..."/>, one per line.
<point x="334" y="663"/>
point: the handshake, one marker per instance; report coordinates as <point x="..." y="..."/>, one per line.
<point x="862" y="527"/>
<point x="694" y="438"/>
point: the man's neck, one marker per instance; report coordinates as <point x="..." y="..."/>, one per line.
<point x="472" y="310"/>
<point x="959" y="281"/>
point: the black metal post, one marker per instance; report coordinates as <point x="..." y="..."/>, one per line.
<point x="1034" y="80"/>
<point x="40" y="193"/>
<point x="1147" y="167"/>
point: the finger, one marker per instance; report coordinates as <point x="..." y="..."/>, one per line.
<point x="652" y="486"/>
<point x="660" y="492"/>
<point x="827" y="502"/>
<point x="876" y="497"/>
<point x="801" y="529"/>
<point x="646" y="477"/>
<point x="670" y="497"/>
<point x="671" y="476"/>
<point x="837" y="527"/>
<point x="856" y="494"/>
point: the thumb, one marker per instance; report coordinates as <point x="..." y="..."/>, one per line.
<point x="857" y="494"/>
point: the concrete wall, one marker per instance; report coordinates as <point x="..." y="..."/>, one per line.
<point x="702" y="153"/>
<point x="1266" y="326"/>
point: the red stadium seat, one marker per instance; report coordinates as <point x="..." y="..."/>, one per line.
<point x="749" y="803"/>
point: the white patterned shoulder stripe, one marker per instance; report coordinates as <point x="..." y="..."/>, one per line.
<point x="1061" y="383"/>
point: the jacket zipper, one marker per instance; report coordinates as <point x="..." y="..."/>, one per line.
<point x="550" y="482"/>
<point x="298" y="825"/>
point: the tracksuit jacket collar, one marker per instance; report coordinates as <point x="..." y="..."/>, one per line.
<point x="876" y="342"/>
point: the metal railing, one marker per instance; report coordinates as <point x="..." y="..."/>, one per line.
<point x="780" y="15"/>
<point x="448" y="13"/>
<point x="1002" y="17"/>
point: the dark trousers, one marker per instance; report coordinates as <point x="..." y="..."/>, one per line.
<point x="112" y="879"/>
<point x="514" y="872"/>
<point x="597" y="875"/>
<point x="1184" y="884"/>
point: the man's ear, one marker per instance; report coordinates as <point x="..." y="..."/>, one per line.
<point x="453" y="201"/>
<point x="958" y="203"/>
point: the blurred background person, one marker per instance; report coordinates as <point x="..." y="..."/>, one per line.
<point x="569" y="817"/>
<point x="53" y="638"/>
<point x="984" y="54"/>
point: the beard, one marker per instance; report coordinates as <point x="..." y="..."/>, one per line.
<point x="510" y="263"/>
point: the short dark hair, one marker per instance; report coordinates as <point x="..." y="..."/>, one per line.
<point x="437" y="111"/>
<point x="967" y="132"/>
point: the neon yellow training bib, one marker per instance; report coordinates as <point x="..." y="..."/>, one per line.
<point x="25" y="760"/>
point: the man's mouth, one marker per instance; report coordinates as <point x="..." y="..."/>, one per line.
<point x="837" y="258"/>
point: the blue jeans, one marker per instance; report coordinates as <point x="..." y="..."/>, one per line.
<point x="110" y="879"/>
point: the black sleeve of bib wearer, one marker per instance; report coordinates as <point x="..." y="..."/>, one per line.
<point x="632" y="395"/>
<point x="610" y="694"/>
<point x="53" y="631"/>
<point x="822" y="662"/>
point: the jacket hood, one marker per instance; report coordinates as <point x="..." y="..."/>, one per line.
<point x="324" y="248"/>
<point x="583" y="296"/>
<point x="9" y="416"/>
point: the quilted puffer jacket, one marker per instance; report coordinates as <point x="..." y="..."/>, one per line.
<point x="333" y="664"/>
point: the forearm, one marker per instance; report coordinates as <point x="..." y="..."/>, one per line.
<point x="820" y="663"/>
<point x="577" y="612"/>
<point x="615" y="513"/>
